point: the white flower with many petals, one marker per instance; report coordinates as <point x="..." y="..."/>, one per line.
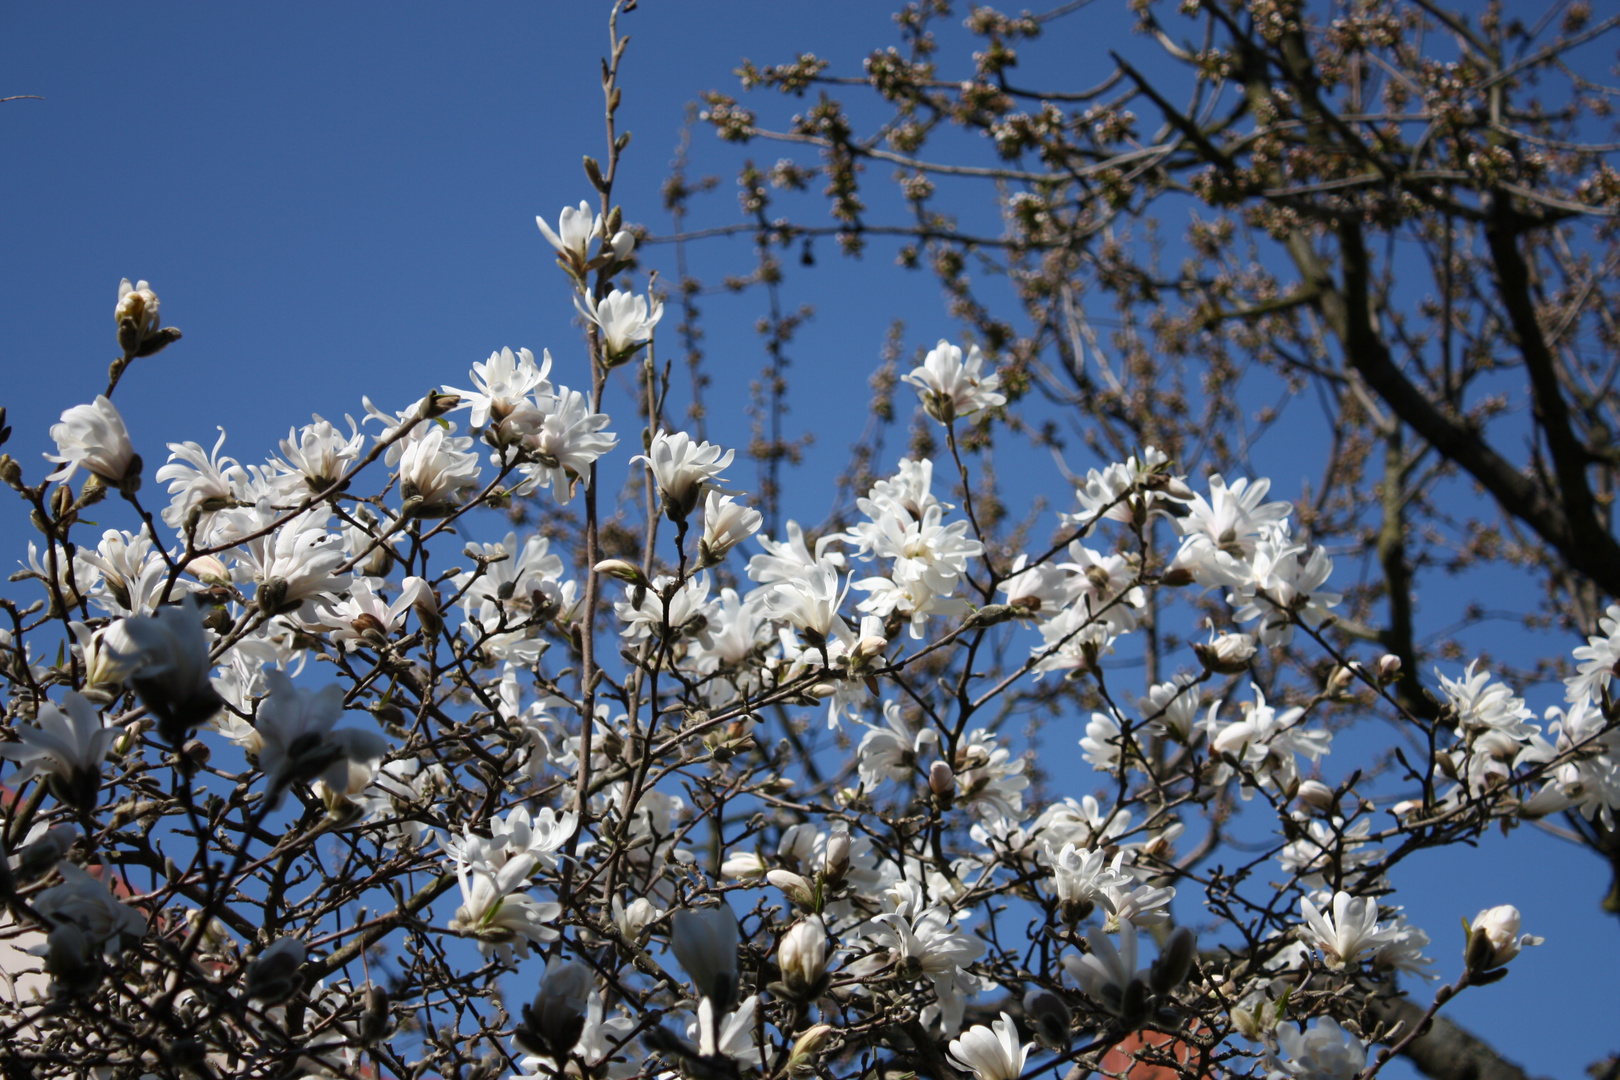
<point x="991" y="1053"/>
<point x="625" y="319"/>
<point x="1325" y="1051"/>
<point x="318" y="455"/>
<point x="297" y="740"/>
<point x="435" y="471"/>
<point x="88" y="904"/>
<point x="506" y="383"/>
<point x="199" y="482"/>
<point x="1351" y="930"/>
<point x="68" y="745"/>
<point x="951" y="387"/>
<point x="726" y="523"/>
<point x="576" y="228"/>
<point x="169" y="665"/>
<point x="563" y="444"/>
<point x="1106" y="973"/>
<point x="682" y="469"/>
<point x="94" y="436"/>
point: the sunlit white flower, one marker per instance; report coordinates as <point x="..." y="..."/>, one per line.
<point x="1600" y="658"/>
<point x="576" y="228"/>
<point x="435" y="471"/>
<point x="94" y="436"/>
<point x="138" y="304"/>
<point x="564" y="443"/>
<point x="682" y="469"/>
<point x="506" y="382"/>
<point x="1324" y="1051"/>
<point x="892" y="752"/>
<point x="951" y="387"/>
<point x="199" y="481"/>
<point x="991" y="1053"/>
<point x="1351" y="930"/>
<point x="726" y="523"/>
<point x="626" y="321"/>
<point x="319" y="455"/>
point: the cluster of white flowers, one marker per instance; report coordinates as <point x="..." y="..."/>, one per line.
<point x="458" y="726"/>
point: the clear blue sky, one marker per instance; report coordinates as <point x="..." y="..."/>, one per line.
<point x="337" y="200"/>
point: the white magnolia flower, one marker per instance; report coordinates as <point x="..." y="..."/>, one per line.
<point x="991" y="1053"/>
<point x="626" y="321"/>
<point x="502" y="920"/>
<point x="169" y="666"/>
<point x="67" y="746"/>
<point x="506" y="382"/>
<point x="1600" y="658"/>
<point x="575" y="231"/>
<point x="199" y="481"/>
<point x="802" y="957"/>
<point x="88" y="904"/>
<point x="1106" y="974"/>
<point x="682" y="469"/>
<point x="129" y="572"/>
<point x="892" y="752"/>
<point x="318" y="455"/>
<point x="563" y="445"/>
<point x="435" y="471"/>
<point x="297" y="740"/>
<point x="94" y="436"/>
<point x="1351" y="930"/>
<point x="1325" y="1051"/>
<point x="950" y="387"/>
<point x="704" y="940"/>
<point x="726" y="523"/>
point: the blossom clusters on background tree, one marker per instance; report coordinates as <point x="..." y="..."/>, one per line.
<point x="307" y="779"/>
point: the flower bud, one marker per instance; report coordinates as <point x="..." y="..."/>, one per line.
<point x="1049" y="1018"/>
<point x="837" y="861"/>
<point x="623" y="243"/>
<point x="1389" y="668"/>
<point x="209" y="569"/>
<point x="1491" y="938"/>
<point x="807" y="1049"/>
<point x="11" y="473"/>
<point x="1226" y="654"/>
<point x="1316" y="795"/>
<point x="942" y="784"/>
<point x="436" y="404"/>
<point x="802" y="956"/>
<point x="273" y="975"/>
<point x="553" y="1025"/>
<point x="704" y="940"/>
<point x="798" y="889"/>
<point x="374" y="1019"/>
<point x="634" y="918"/>
<point x="1175" y="961"/>
<point x="624" y="571"/>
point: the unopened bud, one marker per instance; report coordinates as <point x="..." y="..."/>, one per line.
<point x="436" y="404"/>
<point x="1341" y="680"/>
<point x="622" y="244"/>
<point x="11" y="472"/>
<point x="837" y="863"/>
<point x="807" y="1049"/>
<point x="273" y="976"/>
<point x="1389" y="668"/>
<point x="942" y="784"/>
<point x="1175" y="961"/>
<point x="209" y="570"/>
<point x="797" y="888"/>
<point x="1316" y="795"/>
<point x="623" y="570"/>
<point x="1049" y="1018"/>
<point x="802" y="958"/>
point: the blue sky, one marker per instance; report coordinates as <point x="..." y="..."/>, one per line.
<point x="337" y="200"/>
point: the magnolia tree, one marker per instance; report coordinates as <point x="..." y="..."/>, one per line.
<point x="304" y="778"/>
